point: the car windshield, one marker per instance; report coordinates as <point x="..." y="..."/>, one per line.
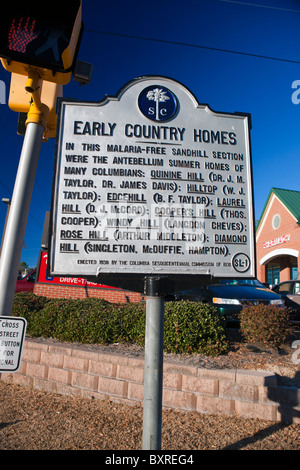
<point x="241" y="282"/>
<point x="31" y="275"/>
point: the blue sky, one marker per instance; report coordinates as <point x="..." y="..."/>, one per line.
<point x="233" y="55"/>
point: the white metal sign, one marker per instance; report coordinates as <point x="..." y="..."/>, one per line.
<point x="152" y="182"/>
<point x="12" y="336"/>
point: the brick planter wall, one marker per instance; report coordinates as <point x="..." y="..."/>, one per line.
<point x="78" y="371"/>
<point x="83" y="292"/>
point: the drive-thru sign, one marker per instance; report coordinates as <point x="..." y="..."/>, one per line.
<point x="152" y="182"/>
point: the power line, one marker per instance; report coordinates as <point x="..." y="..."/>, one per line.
<point x="6" y="187"/>
<point x="260" y="6"/>
<point x="198" y="46"/>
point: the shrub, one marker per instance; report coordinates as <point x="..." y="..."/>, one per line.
<point x="27" y="304"/>
<point x="70" y="320"/>
<point x="87" y="321"/>
<point x="189" y="326"/>
<point x="266" y="324"/>
<point x="41" y="323"/>
<point x="194" y="327"/>
<point x="129" y="322"/>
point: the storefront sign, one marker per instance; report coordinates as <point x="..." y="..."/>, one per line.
<point x="152" y="182"/>
<point x="277" y="241"/>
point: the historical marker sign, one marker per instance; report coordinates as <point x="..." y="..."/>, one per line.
<point x="152" y="182"/>
<point x="12" y="336"/>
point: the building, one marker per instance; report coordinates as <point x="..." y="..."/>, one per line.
<point x="76" y="287"/>
<point x="278" y="237"/>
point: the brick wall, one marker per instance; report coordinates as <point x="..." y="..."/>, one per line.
<point x="77" y="371"/>
<point x="83" y="292"/>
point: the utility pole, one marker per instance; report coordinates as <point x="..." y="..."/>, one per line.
<point x="20" y="203"/>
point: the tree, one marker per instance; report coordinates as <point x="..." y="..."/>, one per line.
<point x="158" y="96"/>
<point x="23" y="265"/>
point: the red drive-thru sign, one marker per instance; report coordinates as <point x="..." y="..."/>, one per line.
<point x="151" y="183"/>
<point x="63" y="280"/>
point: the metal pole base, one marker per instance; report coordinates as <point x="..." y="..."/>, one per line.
<point x="153" y="368"/>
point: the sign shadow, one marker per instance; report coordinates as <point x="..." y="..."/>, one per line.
<point x="288" y="399"/>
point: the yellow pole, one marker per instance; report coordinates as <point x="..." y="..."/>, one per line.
<point x="38" y="112"/>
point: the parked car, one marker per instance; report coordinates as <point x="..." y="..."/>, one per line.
<point x="26" y="283"/>
<point x="230" y="296"/>
<point x="290" y="293"/>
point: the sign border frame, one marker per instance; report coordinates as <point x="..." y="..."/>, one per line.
<point x="138" y="280"/>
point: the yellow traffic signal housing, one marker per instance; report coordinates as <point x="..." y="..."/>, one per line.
<point x="19" y="99"/>
<point x="43" y="39"/>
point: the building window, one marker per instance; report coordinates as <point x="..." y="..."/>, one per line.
<point x="294" y="272"/>
<point x="273" y="273"/>
<point x="276" y="221"/>
<point x="296" y="288"/>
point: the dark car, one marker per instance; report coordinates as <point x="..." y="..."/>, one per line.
<point x="290" y="293"/>
<point x="26" y="283"/>
<point x="230" y="296"/>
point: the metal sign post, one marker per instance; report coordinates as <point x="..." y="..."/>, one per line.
<point x="153" y="368"/>
<point x="19" y="209"/>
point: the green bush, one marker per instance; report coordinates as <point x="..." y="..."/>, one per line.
<point x="265" y="324"/>
<point x="189" y="327"/>
<point x="86" y="321"/>
<point x="42" y="323"/>
<point x="26" y="305"/>
<point x="194" y="327"/>
<point x="129" y="321"/>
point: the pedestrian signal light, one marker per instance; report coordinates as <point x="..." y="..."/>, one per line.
<point x="43" y="38"/>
